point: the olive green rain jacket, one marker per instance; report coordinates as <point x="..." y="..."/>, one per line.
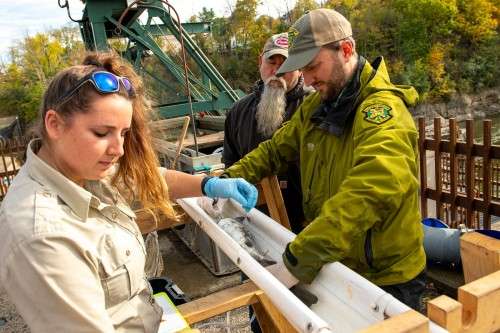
<point x="359" y="176"/>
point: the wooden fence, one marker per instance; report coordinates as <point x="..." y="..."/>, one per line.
<point x="12" y="153"/>
<point x="466" y="175"/>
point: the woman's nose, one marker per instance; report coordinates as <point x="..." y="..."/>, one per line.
<point x="116" y="146"/>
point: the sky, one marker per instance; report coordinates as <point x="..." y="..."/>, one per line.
<point x="20" y="18"/>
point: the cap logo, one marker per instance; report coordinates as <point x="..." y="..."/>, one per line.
<point x="281" y="41"/>
<point x="292" y="34"/>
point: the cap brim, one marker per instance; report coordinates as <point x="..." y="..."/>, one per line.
<point x="298" y="60"/>
<point x="270" y="53"/>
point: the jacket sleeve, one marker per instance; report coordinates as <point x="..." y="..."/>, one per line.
<point x="230" y="152"/>
<point x="383" y="169"/>
<point x="272" y="155"/>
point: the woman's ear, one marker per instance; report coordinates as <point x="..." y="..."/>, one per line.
<point x="54" y="124"/>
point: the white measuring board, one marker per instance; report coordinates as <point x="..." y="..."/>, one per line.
<point x="347" y="302"/>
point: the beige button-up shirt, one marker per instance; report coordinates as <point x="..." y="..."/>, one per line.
<point x="72" y="258"/>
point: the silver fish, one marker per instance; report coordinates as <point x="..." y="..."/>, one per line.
<point x="236" y="229"/>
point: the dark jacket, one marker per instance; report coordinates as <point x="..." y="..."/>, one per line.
<point x="241" y="136"/>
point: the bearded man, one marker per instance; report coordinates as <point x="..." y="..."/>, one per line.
<point x="358" y="149"/>
<point x="255" y="118"/>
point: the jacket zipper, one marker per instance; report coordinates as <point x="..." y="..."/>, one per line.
<point x="368" y="248"/>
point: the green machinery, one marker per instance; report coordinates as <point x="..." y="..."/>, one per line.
<point x="142" y="30"/>
<point x="149" y="34"/>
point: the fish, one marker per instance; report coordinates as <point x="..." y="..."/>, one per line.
<point x="236" y="229"/>
<point x="213" y="207"/>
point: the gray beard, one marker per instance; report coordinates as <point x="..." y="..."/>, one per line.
<point x="271" y="108"/>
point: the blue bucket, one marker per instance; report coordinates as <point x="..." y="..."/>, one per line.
<point x="433" y="222"/>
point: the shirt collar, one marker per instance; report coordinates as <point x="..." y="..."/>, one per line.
<point x="75" y="196"/>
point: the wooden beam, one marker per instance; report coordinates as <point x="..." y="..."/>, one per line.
<point x="208" y="140"/>
<point x="480" y="255"/>
<point x="477" y="309"/>
<point x="407" y="322"/>
<point x="274" y="200"/>
<point x="148" y="223"/>
<point x="220" y="302"/>
<point x="164" y="124"/>
<point x="269" y="318"/>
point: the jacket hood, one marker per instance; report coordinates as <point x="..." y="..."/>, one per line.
<point x="381" y="81"/>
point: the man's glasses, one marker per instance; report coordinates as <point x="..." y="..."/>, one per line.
<point x="104" y="82"/>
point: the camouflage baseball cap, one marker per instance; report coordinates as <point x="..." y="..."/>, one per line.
<point x="276" y="44"/>
<point x="313" y="30"/>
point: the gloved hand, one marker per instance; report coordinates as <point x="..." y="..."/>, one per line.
<point x="235" y="188"/>
<point x="281" y="272"/>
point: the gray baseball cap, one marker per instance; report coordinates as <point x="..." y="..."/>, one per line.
<point x="313" y="30"/>
<point x="276" y="44"/>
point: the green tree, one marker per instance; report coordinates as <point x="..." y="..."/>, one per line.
<point x="301" y="7"/>
<point x="476" y="20"/>
<point x="34" y="61"/>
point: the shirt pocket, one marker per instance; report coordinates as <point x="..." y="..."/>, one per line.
<point x="117" y="270"/>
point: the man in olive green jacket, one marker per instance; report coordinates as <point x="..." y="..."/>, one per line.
<point x="357" y="145"/>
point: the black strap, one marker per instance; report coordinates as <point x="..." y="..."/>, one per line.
<point x="204" y="182"/>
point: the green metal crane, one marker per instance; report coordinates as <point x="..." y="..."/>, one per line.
<point x="142" y="30"/>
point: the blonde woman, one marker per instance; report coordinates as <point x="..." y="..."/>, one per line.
<point x="71" y="255"/>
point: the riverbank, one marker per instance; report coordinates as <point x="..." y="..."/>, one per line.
<point x="485" y="105"/>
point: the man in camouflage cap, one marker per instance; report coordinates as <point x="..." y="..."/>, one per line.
<point x="358" y="151"/>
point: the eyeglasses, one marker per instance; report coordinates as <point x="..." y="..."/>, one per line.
<point x="104" y="82"/>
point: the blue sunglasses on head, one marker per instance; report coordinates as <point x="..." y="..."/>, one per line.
<point x="104" y="82"/>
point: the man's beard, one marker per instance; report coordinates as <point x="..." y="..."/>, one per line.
<point x="272" y="105"/>
<point x="334" y="86"/>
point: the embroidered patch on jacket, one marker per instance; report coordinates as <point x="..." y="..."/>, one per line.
<point x="377" y="113"/>
<point x="292" y="33"/>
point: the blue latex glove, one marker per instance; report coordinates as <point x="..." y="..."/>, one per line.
<point x="235" y="188"/>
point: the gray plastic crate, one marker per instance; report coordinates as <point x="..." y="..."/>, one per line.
<point x="205" y="249"/>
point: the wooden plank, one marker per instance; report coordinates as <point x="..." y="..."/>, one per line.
<point x="275" y="187"/>
<point x="208" y="140"/>
<point x="486" y="173"/>
<point x="437" y="167"/>
<point x="180" y="142"/>
<point x="477" y="308"/>
<point x="446" y="312"/>
<point x="469" y="172"/>
<point x="220" y="302"/>
<point x="407" y="322"/>
<point x="477" y="149"/>
<point x="461" y="201"/>
<point x="274" y="200"/>
<point x="270" y="319"/>
<point x="423" y="166"/>
<point x="480" y="255"/>
<point x="212" y="122"/>
<point x="453" y="169"/>
<point x="148" y="223"/>
<point x="164" y="124"/>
